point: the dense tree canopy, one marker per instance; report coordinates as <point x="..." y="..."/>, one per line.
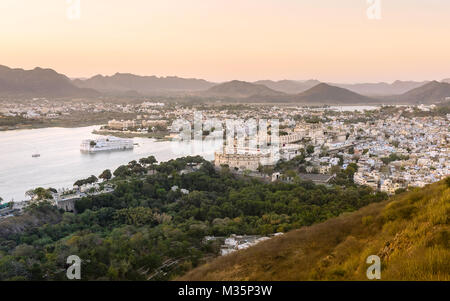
<point x="92" y="179"/>
<point x="146" y="223"/>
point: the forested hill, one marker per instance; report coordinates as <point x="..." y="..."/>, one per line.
<point x="410" y="233"/>
<point x="148" y="229"/>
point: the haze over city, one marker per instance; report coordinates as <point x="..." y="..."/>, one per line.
<point x="221" y="40"/>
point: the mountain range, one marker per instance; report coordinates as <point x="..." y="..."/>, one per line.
<point x="368" y="89"/>
<point x="121" y="83"/>
<point x="382" y="89"/>
<point x="319" y="93"/>
<point x="289" y="86"/>
<point x="431" y="92"/>
<point x="47" y="82"/>
<point x="241" y="89"/>
<point x="39" y="82"/>
<point x="327" y="94"/>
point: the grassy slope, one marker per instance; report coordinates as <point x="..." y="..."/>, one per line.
<point x="410" y="233"/>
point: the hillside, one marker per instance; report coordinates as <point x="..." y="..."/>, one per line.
<point x="327" y="94"/>
<point x="431" y="92"/>
<point x="39" y="82"/>
<point x="288" y="86"/>
<point x="32" y="218"/>
<point x="410" y="233"/>
<point x="240" y="89"/>
<point x="130" y="83"/>
<point x="366" y="89"/>
<point x="381" y="89"/>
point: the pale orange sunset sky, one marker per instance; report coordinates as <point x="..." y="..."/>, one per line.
<point x="329" y="40"/>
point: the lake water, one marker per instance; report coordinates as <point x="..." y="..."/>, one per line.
<point x="61" y="162"/>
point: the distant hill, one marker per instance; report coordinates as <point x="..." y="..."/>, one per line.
<point x="432" y="92"/>
<point x="47" y="82"/>
<point x="319" y="94"/>
<point x="288" y="86"/>
<point x="327" y="94"/>
<point x="410" y="234"/>
<point x="381" y="89"/>
<point x="121" y="83"/>
<point x="241" y="89"/>
<point x="366" y="89"/>
<point x="38" y="83"/>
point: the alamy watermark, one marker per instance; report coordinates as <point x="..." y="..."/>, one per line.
<point x="73" y="10"/>
<point x="229" y="136"/>
<point x="74" y="270"/>
<point x="374" y="270"/>
<point x="374" y="10"/>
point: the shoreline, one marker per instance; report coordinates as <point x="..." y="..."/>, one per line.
<point x="34" y="127"/>
<point x="121" y="134"/>
<point x="74" y="120"/>
<point x="53" y="142"/>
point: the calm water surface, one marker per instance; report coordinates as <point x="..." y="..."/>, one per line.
<point x="61" y="162"/>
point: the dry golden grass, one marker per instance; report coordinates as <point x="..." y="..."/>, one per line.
<point x="410" y="233"/>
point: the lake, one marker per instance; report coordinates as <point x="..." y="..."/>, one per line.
<point x="61" y="163"/>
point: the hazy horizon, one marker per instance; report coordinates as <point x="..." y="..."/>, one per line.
<point x="230" y="79"/>
<point x="220" y="40"/>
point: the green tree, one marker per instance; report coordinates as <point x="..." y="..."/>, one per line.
<point x="148" y="161"/>
<point x="139" y="216"/>
<point x="132" y="164"/>
<point x="350" y="171"/>
<point x="42" y="194"/>
<point x="122" y="171"/>
<point x="92" y="179"/>
<point x="106" y="175"/>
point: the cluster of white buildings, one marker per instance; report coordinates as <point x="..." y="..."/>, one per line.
<point x="124" y="125"/>
<point x="390" y="153"/>
<point x="418" y="149"/>
<point x="42" y="108"/>
<point x="239" y="242"/>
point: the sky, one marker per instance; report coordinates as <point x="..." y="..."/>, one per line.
<point x="220" y="40"/>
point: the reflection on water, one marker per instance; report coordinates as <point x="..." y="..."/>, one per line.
<point x="61" y="163"/>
